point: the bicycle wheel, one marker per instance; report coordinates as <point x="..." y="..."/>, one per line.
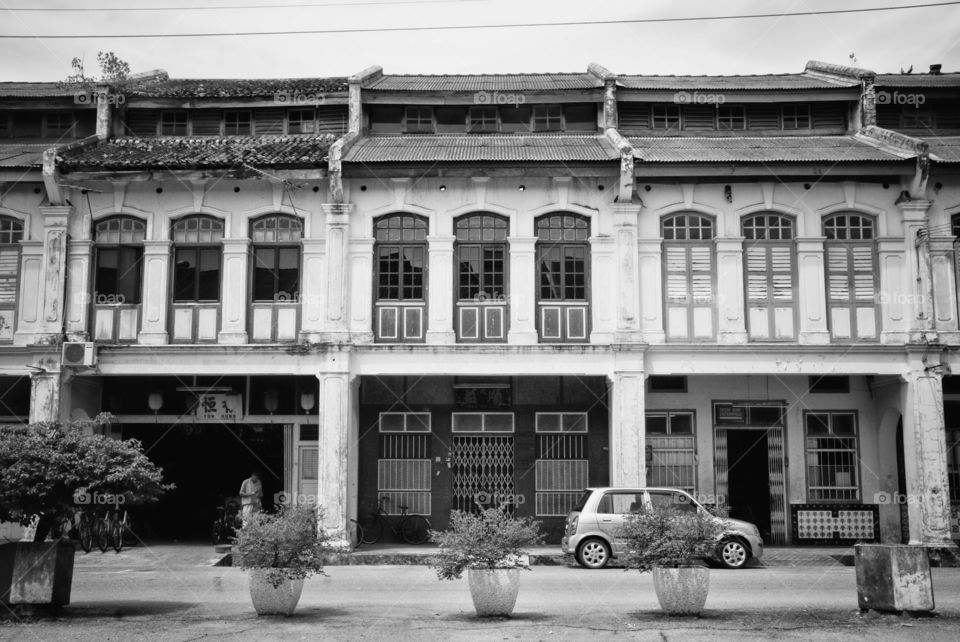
<point x="86" y="533"/>
<point x="360" y="534"/>
<point x="372" y="532"/>
<point x="101" y="535"/>
<point x="117" y="526"/>
<point x="415" y="529"/>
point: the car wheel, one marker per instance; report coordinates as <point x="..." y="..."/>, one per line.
<point x="733" y="553"/>
<point x="593" y="553"/>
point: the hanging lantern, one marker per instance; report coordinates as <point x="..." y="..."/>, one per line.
<point x="307" y="401"/>
<point x="271" y="400"/>
<point x="155" y="401"/>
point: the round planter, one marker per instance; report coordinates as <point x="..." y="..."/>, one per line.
<point x="682" y="591"/>
<point x="494" y="591"/>
<point x="270" y="600"/>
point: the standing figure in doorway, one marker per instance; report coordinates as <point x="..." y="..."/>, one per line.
<point x="251" y="494"/>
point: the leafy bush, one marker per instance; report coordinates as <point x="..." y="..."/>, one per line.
<point x="669" y="538"/>
<point x="492" y="539"/>
<point x="49" y="469"/>
<point x="288" y="544"/>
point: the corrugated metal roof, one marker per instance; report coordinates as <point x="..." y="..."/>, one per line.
<point x="23" y="154"/>
<point x="733" y="83"/>
<point x="234" y="87"/>
<point x="945" y="149"/>
<point x="919" y="80"/>
<point x="197" y="152"/>
<point x="36" y="90"/>
<point x="798" y="149"/>
<point x="478" y="148"/>
<point x="485" y="82"/>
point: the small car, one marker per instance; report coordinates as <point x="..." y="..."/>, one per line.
<point x="590" y="533"/>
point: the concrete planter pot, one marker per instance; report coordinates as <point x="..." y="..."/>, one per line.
<point x="895" y="578"/>
<point x="682" y="591"/>
<point x="270" y="600"/>
<point x="494" y="591"/>
<point x="36" y="574"/>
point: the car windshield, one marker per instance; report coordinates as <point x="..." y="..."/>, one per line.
<point x="582" y="501"/>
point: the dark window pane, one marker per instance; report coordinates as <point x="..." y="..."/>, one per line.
<point x="515" y="119"/>
<point x="289" y="271"/>
<point x="264" y="276"/>
<point x="451" y="120"/>
<point x="580" y="118"/>
<point x="107" y="268"/>
<point x="185" y="274"/>
<point x="128" y="277"/>
<point x="209" y="278"/>
<point x="386" y="119"/>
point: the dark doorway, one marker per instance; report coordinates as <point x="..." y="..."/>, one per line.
<point x="748" y="478"/>
<point x="902" y="487"/>
<point x="207" y="462"/>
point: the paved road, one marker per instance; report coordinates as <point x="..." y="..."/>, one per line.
<point x="172" y="600"/>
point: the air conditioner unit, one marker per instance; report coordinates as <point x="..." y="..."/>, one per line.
<point x="78" y="354"/>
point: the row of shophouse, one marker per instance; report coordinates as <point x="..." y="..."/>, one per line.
<point x="469" y="290"/>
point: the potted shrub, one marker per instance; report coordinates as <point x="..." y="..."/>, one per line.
<point x="672" y="543"/>
<point x="49" y="471"/>
<point x="492" y="547"/>
<point x="281" y="550"/>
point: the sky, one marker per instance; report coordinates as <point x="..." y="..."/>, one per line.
<point x="884" y="41"/>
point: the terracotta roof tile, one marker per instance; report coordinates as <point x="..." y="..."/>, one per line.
<point x="480" y="148"/>
<point x="198" y="152"/>
<point x="23" y="154"/>
<point x="733" y="83"/>
<point x="485" y="82"/>
<point x="798" y="149"/>
<point x="945" y="149"/>
<point x="35" y="90"/>
<point x="919" y="80"/>
<point x="233" y="87"/>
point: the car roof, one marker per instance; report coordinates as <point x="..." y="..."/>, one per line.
<point x="635" y="488"/>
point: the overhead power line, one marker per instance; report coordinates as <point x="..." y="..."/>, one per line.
<point x="291" y="5"/>
<point x="578" y="23"/>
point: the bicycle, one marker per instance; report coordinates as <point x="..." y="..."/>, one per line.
<point x="85" y="530"/>
<point x="413" y="529"/>
<point x="360" y="533"/>
<point x="108" y="530"/>
<point x="227" y="522"/>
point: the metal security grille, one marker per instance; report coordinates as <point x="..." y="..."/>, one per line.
<point x="562" y="471"/>
<point x="832" y="457"/>
<point x="482" y="472"/>
<point x="672" y="461"/>
<point x="404" y="472"/>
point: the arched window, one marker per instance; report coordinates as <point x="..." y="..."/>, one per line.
<point x="11" y="233"/>
<point x="401" y="250"/>
<point x="563" y="255"/>
<point x="769" y="268"/>
<point x="197" y="257"/>
<point x="689" y="273"/>
<point x="276" y="257"/>
<point x="119" y="259"/>
<point x="481" y="257"/>
<point x="851" y="271"/>
<point x="401" y="241"/>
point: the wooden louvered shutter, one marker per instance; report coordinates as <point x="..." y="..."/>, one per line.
<point x="269" y="121"/>
<point x="761" y="116"/>
<point x="699" y="117"/>
<point x="828" y="115"/>
<point x="770" y="283"/>
<point x="676" y="260"/>
<point x="852" y="290"/>
<point x="141" y="122"/>
<point x="633" y="116"/>
<point x="205" y="122"/>
<point x="9" y="271"/>
<point x="701" y="274"/>
<point x="688" y="276"/>
<point x="332" y="120"/>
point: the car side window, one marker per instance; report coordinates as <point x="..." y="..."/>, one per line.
<point x="621" y="503"/>
<point x="674" y="501"/>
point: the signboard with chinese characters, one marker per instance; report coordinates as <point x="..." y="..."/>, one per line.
<point x="219" y="407"/>
<point x="482" y="397"/>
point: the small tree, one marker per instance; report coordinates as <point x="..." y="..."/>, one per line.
<point x="668" y="537"/>
<point x="113" y="71"/>
<point x="492" y="539"/>
<point x="288" y="545"/>
<point x="51" y="470"/>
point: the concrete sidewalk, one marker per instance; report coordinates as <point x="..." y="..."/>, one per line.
<point x="165" y="596"/>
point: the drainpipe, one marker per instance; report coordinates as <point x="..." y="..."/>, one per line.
<point x="354" y="129"/>
<point x="609" y="124"/>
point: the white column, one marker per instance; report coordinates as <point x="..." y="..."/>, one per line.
<point x="440" y="290"/>
<point x="628" y="464"/>
<point x="917" y="260"/>
<point x="731" y="324"/>
<point x="234" y="298"/>
<point x="156" y="292"/>
<point x="336" y="325"/>
<point x="523" y="284"/>
<point x="54" y="270"/>
<point x="45" y="397"/>
<point x="651" y="290"/>
<point x="338" y="438"/>
<point x="944" y="282"/>
<point x="312" y="290"/>
<point x="78" y="290"/>
<point x="811" y="290"/>
<point x="628" y="273"/>
<point x="603" y="289"/>
<point x="925" y="457"/>
<point x="361" y="290"/>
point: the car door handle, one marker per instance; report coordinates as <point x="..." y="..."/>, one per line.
<point x="607" y="519"/>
